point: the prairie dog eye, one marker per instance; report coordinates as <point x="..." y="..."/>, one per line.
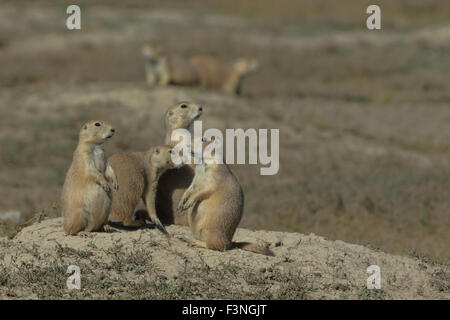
<point x="183" y="106"/>
<point x="97" y="124"/>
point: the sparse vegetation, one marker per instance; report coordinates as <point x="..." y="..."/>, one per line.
<point x="121" y="266"/>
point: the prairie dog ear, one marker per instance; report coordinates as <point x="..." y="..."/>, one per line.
<point x="85" y="127"/>
<point x="157" y="151"/>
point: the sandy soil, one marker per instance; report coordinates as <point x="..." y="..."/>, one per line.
<point x="145" y="264"/>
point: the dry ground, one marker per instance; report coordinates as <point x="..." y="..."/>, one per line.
<point x="145" y="264"/>
<point x="363" y="115"/>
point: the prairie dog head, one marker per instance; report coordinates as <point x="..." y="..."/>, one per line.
<point x="182" y="115"/>
<point x="96" y="132"/>
<point x="160" y="158"/>
<point x="150" y="52"/>
<point x="246" y="65"/>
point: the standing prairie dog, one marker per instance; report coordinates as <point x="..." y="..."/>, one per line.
<point x="174" y="182"/>
<point x="138" y="174"/>
<point x="86" y="194"/>
<point x="199" y="70"/>
<point x="215" y="202"/>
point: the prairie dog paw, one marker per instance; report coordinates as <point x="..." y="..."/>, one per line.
<point x="181" y="204"/>
<point x="188" y="204"/>
<point x="105" y="186"/>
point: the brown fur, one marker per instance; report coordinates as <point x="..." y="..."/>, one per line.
<point x="86" y="194"/>
<point x="156" y="67"/>
<point x="215" y="201"/>
<point x="130" y="172"/>
<point x="162" y="70"/>
<point x="241" y="68"/>
<point x="138" y="174"/>
<point x="213" y="73"/>
<point x="174" y="182"/>
<point x="181" y="72"/>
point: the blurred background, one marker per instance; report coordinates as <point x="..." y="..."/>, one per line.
<point x="364" y="116"/>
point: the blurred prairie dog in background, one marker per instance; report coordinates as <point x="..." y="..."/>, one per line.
<point x="214" y="74"/>
<point x="138" y="174"/>
<point x="86" y="194"/>
<point x="174" y="182"/>
<point x="214" y="202"/>
<point x="199" y="70"/>
<point x="156" y="67"/>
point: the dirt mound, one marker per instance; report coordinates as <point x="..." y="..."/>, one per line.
<point x="146" y="264"/>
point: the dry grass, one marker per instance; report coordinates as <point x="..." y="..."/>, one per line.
<point x="132" y="275"/>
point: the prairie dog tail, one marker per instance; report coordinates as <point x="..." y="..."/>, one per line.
<point x="248" y="246"/>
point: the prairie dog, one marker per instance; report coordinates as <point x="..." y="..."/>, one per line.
<point x="214" y="74"/>
<point x="174" y="182"/>
<point x="156" y="67"/>
<point x="86" y="193"/>
<point x="162" y="70"/>
<point x="138" y="174"/>
<point x="215" y="203"/>
<point x="199" y="70"/>
<point x="239" y="71"/>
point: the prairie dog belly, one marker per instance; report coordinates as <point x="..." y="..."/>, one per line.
<point x="100" y="160"/>
<point x="96" y="207"/>
<point x="197" y="219"/>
